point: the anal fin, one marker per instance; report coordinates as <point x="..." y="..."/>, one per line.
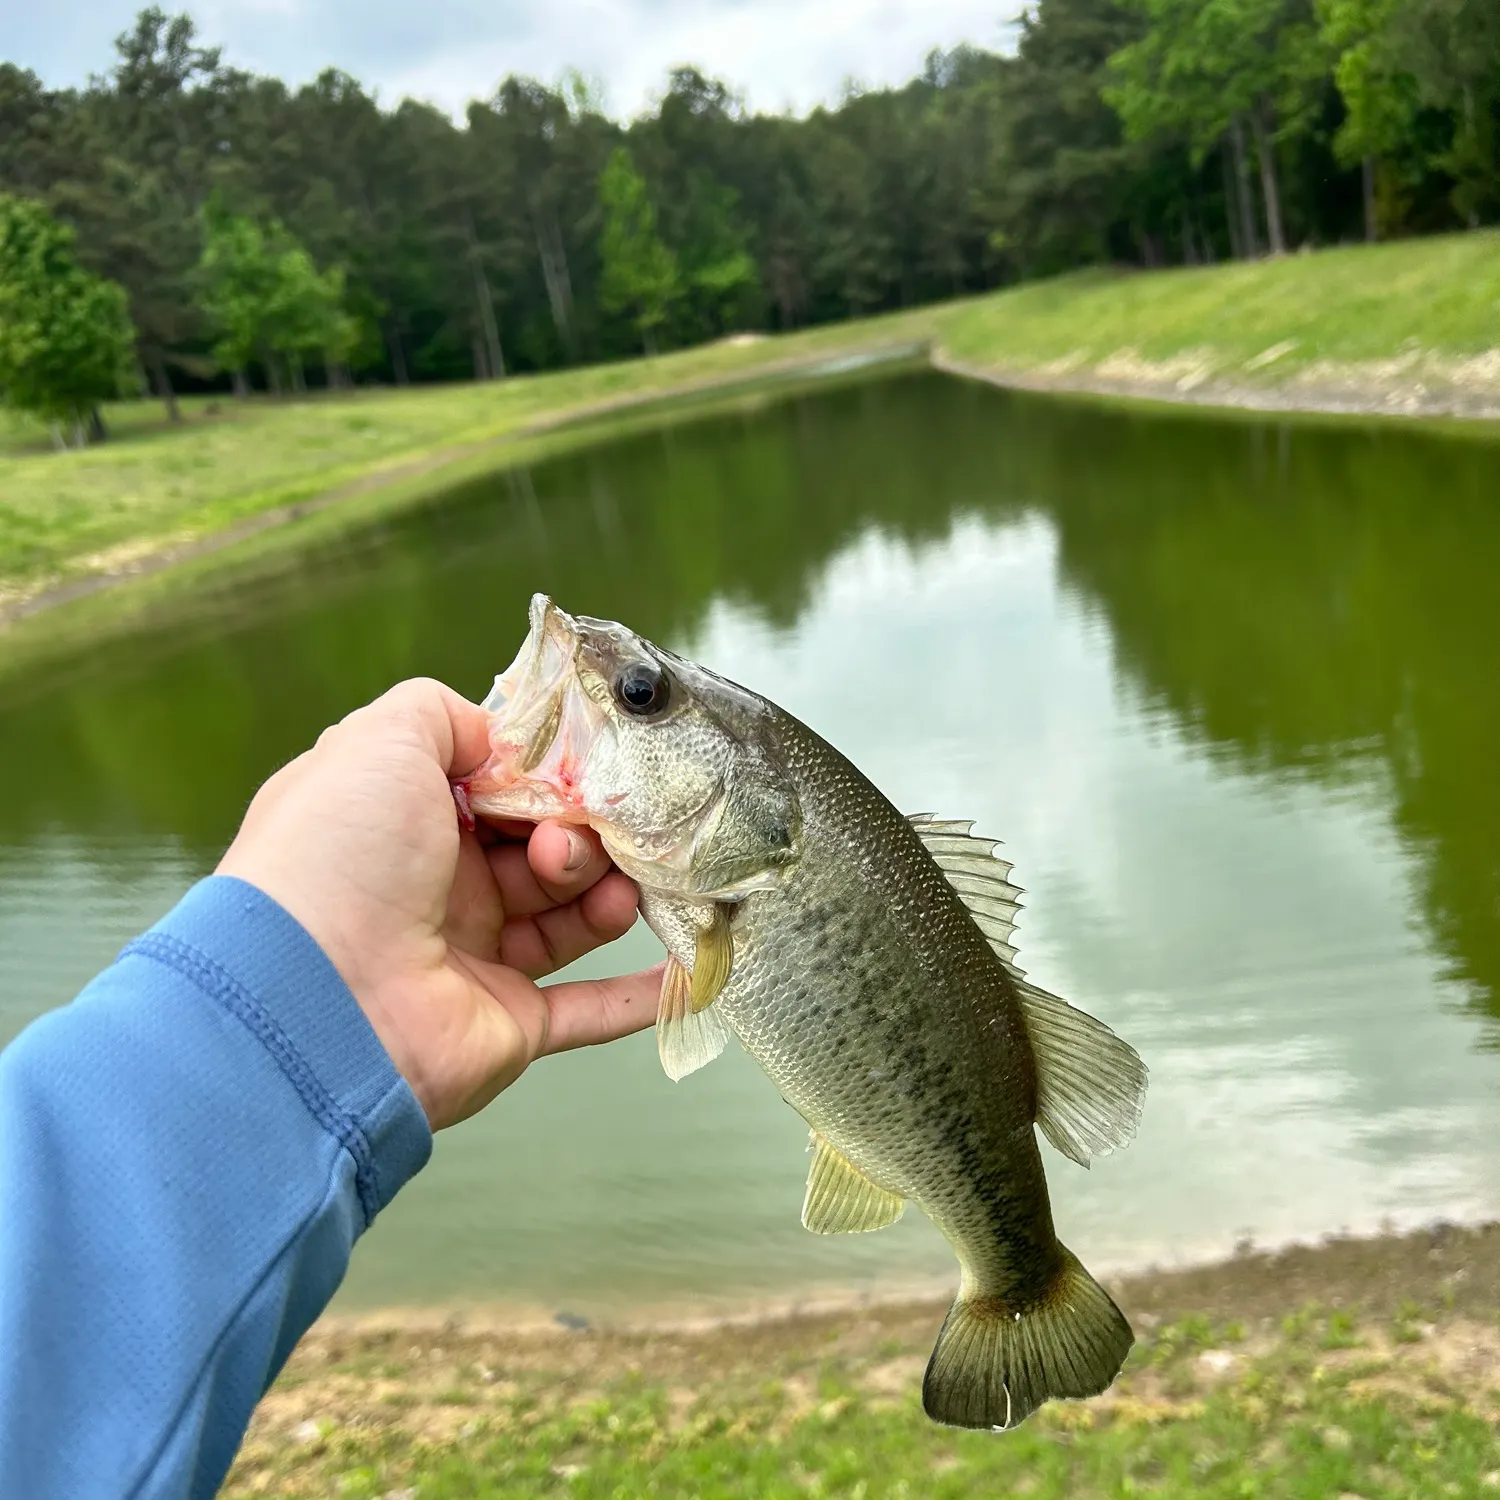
<point x="841" y="1199"/>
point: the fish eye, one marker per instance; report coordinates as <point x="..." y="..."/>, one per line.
<point x="642" y="688"/>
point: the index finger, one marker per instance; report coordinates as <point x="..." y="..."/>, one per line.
<point x="586" y="1012"/>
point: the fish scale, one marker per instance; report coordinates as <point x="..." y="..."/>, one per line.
<point x="864" y="990"/>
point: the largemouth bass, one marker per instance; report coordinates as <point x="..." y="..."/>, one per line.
<point x="864" y="959"/>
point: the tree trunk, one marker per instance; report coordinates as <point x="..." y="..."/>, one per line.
<point x="1249" y="239"/>
<point x="554" y="258"/>
<point x="241" y="385"/>
<point x="1232" y="206"/>
<point x="98" y="432"/>
<point x="397" y="352"/>
<point x="476" y="354"/>
<point x="1471" y="129"/>
<point x="299" y="380"/>
<point x="1265" y="149"/>
<point x="485" y="302"/>
<point x="273" y="375"/>
<point x="1189" y="249"/>
<point x="1367" y="180"/>
<point x="163" y="381"/>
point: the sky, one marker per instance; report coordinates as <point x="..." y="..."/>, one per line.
<point x="779" y="54"/>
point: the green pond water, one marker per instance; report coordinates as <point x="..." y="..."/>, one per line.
<point x="1227" y="690"/>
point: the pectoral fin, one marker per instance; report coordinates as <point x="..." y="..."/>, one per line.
<point x="689" y="1031"/>
<point x="841" y="1199"/>
<point x="686" y="1037"/>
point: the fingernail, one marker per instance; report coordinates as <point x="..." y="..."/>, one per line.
<point x="578" y="851"/>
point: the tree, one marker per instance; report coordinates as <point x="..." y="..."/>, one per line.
<point x="540" y="154"/>
<point x="719" y="275"/>
<point x="1206" y="68"/>
<point x="1380" y="94"/>
<point x="269" y="302"/>
<point x="237" y="273"/>
<point x="1452" y="48"/>
<point x="151" y="135"/>
<point x="305" y="317"/>
<point x="1145" y="132"/>
<point x="65" y="336"/>
<point x="640" y="275"/>
<point x="1064" y="169"/>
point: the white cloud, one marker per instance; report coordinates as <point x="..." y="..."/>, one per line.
<point x="780" y="53"/>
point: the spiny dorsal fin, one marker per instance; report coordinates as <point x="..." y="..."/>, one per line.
<point x="979" y="875"/>
<point x="1090" y="1085"/>
<point x="841" y="1199"/>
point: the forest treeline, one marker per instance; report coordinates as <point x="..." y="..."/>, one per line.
<point x="270" y="235"/>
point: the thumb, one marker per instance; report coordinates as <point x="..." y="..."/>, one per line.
<point x="456" y="731"/>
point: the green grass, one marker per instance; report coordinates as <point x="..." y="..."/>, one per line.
<point x="1382" y="322"/>
<point x="1415" y="300"/>
<point x="154" y="484"/>
<point x="1197" y="1414"/>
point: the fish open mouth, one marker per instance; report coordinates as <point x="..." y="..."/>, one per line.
<point x="542" y="724"/>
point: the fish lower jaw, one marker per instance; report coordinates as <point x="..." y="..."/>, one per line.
<point x="523" y="799"/>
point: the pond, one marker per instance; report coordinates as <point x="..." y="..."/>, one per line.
<point x="1225" y="688"/>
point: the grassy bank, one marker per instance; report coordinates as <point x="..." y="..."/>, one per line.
<point x="155" y="486"/>
<point x="1361" y="1368"/>
<point x="1410" y="327"/>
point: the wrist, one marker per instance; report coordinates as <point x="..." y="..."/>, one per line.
<point x="260" y="962"/>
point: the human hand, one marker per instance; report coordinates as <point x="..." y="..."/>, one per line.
<point x="440" y="932"/>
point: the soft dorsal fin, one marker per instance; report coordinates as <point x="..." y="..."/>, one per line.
<point x="1090" y="1085"/>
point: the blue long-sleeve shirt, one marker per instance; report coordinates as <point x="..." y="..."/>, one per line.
<point x="187" y="1154"/>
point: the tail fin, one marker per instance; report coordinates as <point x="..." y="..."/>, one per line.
<point x="993" y="1365"/>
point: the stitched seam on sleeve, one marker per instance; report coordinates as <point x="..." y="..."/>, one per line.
<point x="219" y="984"/>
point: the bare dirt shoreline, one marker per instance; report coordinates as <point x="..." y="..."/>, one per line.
<point x="1453" y="1267"/>
<point x="1397" y="1323"/>
<point x="1401" y="387"/>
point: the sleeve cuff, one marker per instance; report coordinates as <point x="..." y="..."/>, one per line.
<point x="255" y="961"/>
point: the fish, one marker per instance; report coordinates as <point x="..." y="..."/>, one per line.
<point x="864" y="959"/>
